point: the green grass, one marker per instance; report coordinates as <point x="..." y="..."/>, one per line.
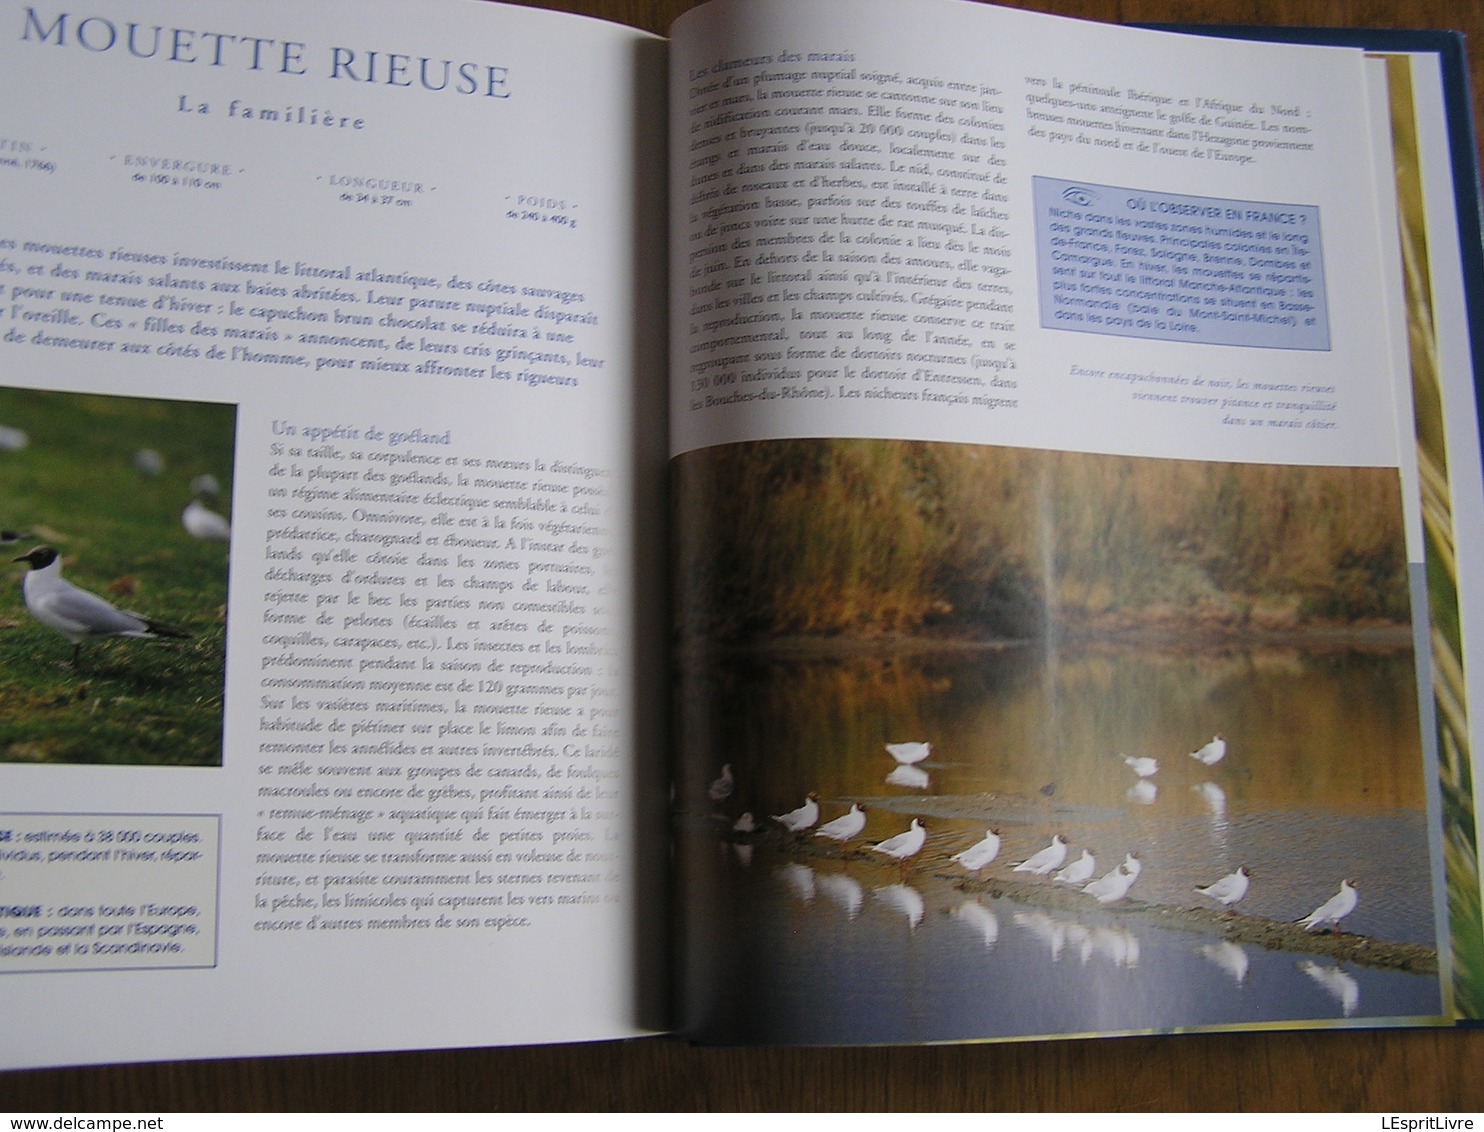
<point x="74" y="487"/>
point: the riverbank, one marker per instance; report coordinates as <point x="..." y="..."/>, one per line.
<point x="1235" y="926"/>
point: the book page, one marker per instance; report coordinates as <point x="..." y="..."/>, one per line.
<point x="325" y="342"/>
<point x="1045" y="615"/>
<point x="840" y="202"/>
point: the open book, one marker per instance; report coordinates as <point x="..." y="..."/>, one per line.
<point x="859" y="523"/>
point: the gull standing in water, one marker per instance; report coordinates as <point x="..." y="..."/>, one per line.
<point x="1212" y="753"/>
<point x="1333" y="910"/>
<point x="844" y="827"/>
<point x="1142" y="765"/>
<point x="1229" y="889"/>
<point x="74" y="612"/>
<point x="796" y="821"/>
<point x="909" y="753"/>
<point x="981" y="853"/>
<point x="1079" y="870"/>
<point x="1047" y="859"/>
<point x="1113" y="885"/>
<point x="904" y="845"/>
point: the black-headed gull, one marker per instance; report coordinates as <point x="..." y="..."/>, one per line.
<point x="904" y="845"/>
<point x="1333" y="910"/>
<point x="1113" y="885"/>
<point x="909" y="753"/>
<point x="74" y="612"/>
<point x="979" y="854"/>
<point x="1229" y="889"/>
<point x="844" y="827"/>
<point x="796" y="821"/>
<point x="1142" y="765"/>
<point x="1047" y="859"/>
<point x="1212" y="753"/>
<point x="1079" y="871"/>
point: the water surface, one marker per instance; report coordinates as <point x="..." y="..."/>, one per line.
<point x="1323" y="780"/>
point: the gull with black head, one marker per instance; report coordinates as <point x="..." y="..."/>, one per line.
<point x="76" y="613"/>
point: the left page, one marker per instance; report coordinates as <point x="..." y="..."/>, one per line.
<point x="324" y="336"/>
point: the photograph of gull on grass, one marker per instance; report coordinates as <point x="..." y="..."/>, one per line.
<point x="992" y="743"/>
<point x="116" y="529"/>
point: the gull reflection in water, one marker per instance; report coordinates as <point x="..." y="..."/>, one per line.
<point x="743" y="852"/>
<point x="913" y="777"/>
<point x="1079" y="939"/>
<point x="1214" y="797"/>
<point x="905" y="899"/>
<point x="800" y="879"/>
<point x="1051" y="932"/>
<point x="1118" y="945"/>
<point x="1229" y="957"/>
<point x="1342" y="987"/>
<point x="981" y="919"/>
<point x="844" y="891"/>
<point x="1143" y="792"/>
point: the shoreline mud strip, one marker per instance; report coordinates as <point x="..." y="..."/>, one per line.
<point x="1258" y="931"/>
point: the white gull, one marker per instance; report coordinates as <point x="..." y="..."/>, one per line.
<point x="73" y="611"/>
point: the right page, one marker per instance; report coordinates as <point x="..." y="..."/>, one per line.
<point x="1045" y="612"/>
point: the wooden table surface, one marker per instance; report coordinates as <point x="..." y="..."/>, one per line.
<point x="1387" y="1071"/>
